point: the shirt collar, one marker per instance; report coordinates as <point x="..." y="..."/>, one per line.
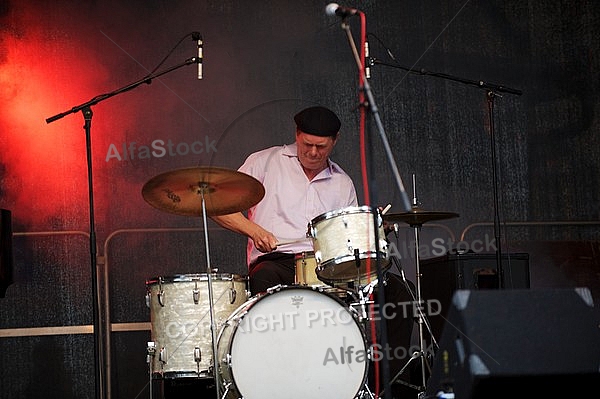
<point x="291" y="150"/>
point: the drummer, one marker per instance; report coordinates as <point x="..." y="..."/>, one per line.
<point x="301" y="182"/>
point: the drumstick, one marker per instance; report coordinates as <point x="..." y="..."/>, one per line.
<point x="387" y="208"/>
<point x="288" y="241"/>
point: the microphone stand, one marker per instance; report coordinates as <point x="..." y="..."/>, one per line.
<point x="372" y="106"/>
<point x="491" y="93"/>
<point x="86" y="110"/>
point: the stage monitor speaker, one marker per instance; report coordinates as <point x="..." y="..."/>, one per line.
<point x="442" y="276"/>
<point x="518" y="344"/>
<point x="6" y="254"/>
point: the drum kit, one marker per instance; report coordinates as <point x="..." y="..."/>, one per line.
<point x="303" y="340"/>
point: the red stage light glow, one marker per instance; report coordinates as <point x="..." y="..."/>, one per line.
<point x="44" y="178"/>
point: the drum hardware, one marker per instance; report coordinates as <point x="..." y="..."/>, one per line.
<point x="363" y="301"/>
<point x="356" y="263"/>
<point x="186" y="191"/>
<point x="362" y="295"/>
<point x="196" y="293"/>
<point x="162" y="356"/>
<point x="415" y="218"/>
<point x="150" y="353"/>
<point x="161" y="293"/>
<point x="197" y="357"/>
<point x="232" y="295"/>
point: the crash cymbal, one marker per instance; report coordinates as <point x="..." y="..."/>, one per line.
<point x="225" y="191"/>
<point x="417" y="216"/>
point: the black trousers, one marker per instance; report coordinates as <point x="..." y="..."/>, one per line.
<point x="270" y="270"/>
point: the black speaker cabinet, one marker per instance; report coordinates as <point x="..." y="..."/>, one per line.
<point x="442" y="276"/>
<point x="518" y="344"/>
<point x="6" y="254"/>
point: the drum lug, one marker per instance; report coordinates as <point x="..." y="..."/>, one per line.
<point x="196" y="293"/>
<point x="148" y="299"/>
<point x="161" y="293"/>
<point x="275" y="288"/>
<point x="379" y="219"/>
<point x="312" y="232"/>
<point x="160" y="296"/>
<point x="162" y="355"/>
<point x="232" y="295"/>
<point x="197" y="355"/>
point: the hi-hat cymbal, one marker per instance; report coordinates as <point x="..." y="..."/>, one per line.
<point x="225" y="191"/>
<point x="417" y="216"/>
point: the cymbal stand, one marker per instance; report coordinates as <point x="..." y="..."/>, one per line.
<point x="203" y="188"/>
<point x="418" y="300"/>
<point x="420" y="317"/>
<point x="416" y="354"/>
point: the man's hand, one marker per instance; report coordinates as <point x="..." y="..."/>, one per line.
<point x="264" y="240"/>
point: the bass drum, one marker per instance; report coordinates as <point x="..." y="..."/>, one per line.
<point x="292" y="342"/>
<point x="180" y="320"/>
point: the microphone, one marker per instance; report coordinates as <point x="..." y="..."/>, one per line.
<point x="368" y="61"/>
<point x="336" y="9"/>
<point x="198" y="37"/>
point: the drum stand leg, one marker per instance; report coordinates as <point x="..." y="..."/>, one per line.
<point x="213" y="327"/>
<point x="150" y="351"/>
<point x="366" y="393"/>
<point x="421" y="319"/>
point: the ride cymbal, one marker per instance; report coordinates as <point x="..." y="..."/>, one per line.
<point x="417" y="216"/>
<point x="225" y="191"/>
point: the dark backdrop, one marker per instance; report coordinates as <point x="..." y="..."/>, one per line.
<point x="263" y="61"/>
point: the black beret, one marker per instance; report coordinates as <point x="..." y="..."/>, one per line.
<point x="318" y="121"/>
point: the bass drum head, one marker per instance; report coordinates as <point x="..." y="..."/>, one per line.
<point x="293" y="343"/>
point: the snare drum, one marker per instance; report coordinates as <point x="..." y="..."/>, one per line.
<point x="345" y="237"/>
<point x="306" y="275"/>
<point x="181" y="323"/>
<point x="306" y="269"/>
<point x="292" y="342"/>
